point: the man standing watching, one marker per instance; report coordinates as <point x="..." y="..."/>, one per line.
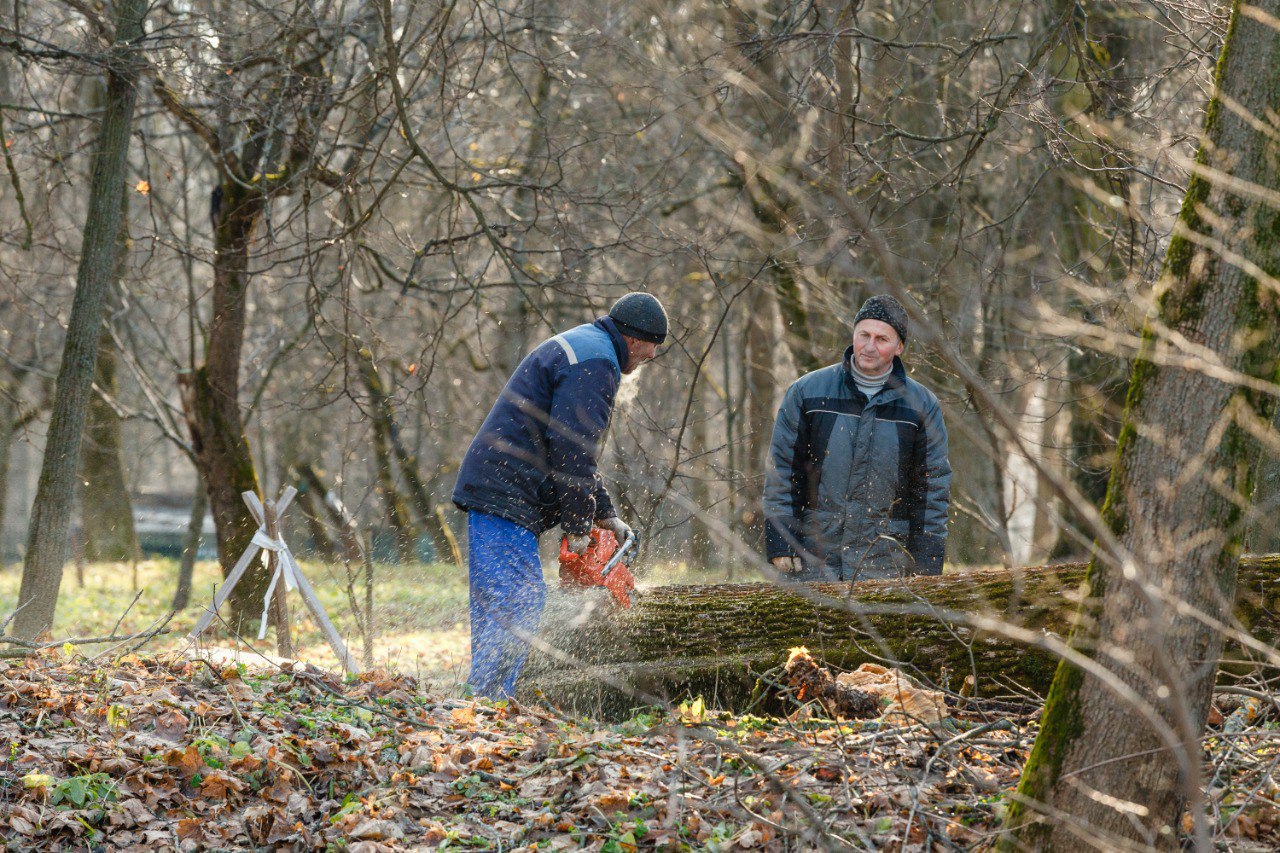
<point x="532" y="467"/>
<point x="858" y="480"/>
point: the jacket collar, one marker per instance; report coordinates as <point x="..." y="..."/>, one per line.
<point x="897" y="374"/>
<point x="619" y="344"/>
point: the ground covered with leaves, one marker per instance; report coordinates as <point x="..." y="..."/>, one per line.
<point x="164" y="752"/>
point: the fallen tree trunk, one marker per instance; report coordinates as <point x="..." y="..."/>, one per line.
<point x="714" y="641"/>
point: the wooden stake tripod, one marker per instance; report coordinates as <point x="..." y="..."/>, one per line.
<point x="283" y="567"/>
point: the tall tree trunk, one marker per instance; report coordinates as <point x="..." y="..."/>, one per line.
<point x="322" y="547"/>
<point x="106" y="510"/>
<point x="1096" y="61"/>
<point x="51" y="514"/>
<point x="343" y="523"/>
<point x="702" y="552"/>
<point x="1103" y="767"/>
<point x="211" y="397"/>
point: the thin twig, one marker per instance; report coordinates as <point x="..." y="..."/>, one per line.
<point x="126" y="611"/>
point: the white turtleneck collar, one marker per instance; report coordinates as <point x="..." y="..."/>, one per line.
<point x="869" y="385"/>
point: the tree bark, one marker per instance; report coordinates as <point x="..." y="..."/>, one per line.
<point x="106" y="510"/>
<point x="322" y="546"/>
<point x="51" y="514"/>
<point x="1104" y="769"/>
<point x="715" y="640"/>
<point x="343" y="523"/>
<point x="211" y="398"/>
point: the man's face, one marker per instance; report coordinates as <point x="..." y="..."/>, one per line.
<point x="638" y="352"/>
<point x="875" y="343"/>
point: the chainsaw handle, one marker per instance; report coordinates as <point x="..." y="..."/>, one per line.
<point x="627" y="545"/>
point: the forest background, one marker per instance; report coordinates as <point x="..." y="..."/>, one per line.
<point x="357" y="242"/>
<point x="318" y="237"/>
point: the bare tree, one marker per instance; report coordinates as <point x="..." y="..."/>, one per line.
<point x="47" y="540"/>
<point x="272" y="87"/>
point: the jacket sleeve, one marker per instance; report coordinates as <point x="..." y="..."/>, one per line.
<point x="783" y="489"/>
<point x="928" y="538"/>
<point x="581" y="404"/>
<point x="604" y="504"/>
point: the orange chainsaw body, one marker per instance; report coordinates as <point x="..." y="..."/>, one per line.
<point x="586" y="570"/>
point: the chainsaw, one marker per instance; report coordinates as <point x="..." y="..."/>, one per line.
<point x="600" y="565"/>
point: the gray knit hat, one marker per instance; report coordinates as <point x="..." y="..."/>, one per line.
<point x="886" y="309"/>
<point x="640" y="315"/>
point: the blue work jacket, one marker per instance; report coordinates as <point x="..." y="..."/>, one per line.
<point x="533" y="462"/>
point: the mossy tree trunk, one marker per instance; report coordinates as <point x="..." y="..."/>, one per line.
<point x="761" y="386"/>
<point x="1094" y="67"/>
<point x="714" y="640"/>
<point x="1107" y="768"/>
<point x="51" y="514"/>
<point x="263" y="135"/>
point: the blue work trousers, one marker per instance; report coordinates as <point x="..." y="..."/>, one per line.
<point x="507" y="595"/>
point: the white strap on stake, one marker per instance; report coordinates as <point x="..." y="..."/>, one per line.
<point x="286" y="567"/>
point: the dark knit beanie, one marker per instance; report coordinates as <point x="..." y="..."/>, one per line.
<point x="886" y="309"/>
<point x="641" y="316"/>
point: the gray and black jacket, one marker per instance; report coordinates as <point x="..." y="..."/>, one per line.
<point x="859" y="488"/>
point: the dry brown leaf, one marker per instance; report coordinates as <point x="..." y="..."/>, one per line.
<point x="903" y="697"/>
<point x="21" y="825"/>
<point x="220" y="785"/>
<point x="238" y="690"/>
<point x="187" y="761"/>
<point x="171" y="725"/>
<point x="613" y="801"/>
<point x="378" y="830"/>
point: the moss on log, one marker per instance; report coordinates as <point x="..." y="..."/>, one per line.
<point x="715" y="640"/>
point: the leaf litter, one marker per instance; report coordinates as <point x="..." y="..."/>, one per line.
<point x="168" y="752"/>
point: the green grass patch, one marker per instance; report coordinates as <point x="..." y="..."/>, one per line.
<point x="420" y="610"/>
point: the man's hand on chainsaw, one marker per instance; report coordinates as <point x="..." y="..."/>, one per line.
<point x="619" y="528"/>
<point x="578" y="542"/>
<point x="788" y="565"/>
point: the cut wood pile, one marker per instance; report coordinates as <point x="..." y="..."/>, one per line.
<point x="716" y="641"/>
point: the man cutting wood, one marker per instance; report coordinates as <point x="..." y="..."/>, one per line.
<point x="532" y="467"/>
